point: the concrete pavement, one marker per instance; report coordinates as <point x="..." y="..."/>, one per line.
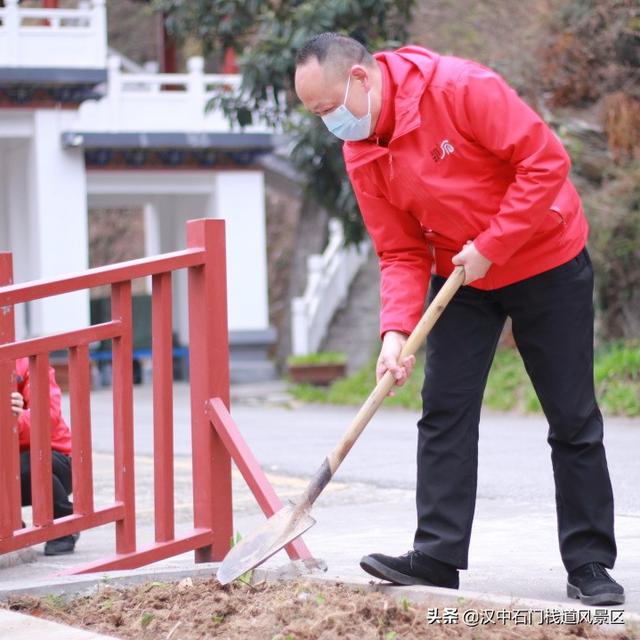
<point x="370" y="504"/>
<point x="18" y="626"/>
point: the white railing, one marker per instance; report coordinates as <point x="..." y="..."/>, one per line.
<point x="329" y="277"/>
<point x="54" y="38"/>
<point x="160" y="102"/>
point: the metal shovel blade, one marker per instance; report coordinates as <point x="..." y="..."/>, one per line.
<point x="276" y="532"/>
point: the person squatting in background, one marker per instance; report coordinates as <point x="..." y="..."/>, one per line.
<point x="60" y="454"/>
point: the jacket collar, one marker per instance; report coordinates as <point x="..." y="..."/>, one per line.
<point x="410" y="70"/>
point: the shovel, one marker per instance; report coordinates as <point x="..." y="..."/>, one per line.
<point x="294" y="519"/>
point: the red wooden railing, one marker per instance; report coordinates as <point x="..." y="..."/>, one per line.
<point x="212" y="448"/>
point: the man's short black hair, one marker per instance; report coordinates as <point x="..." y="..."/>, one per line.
<point x="334" y="49"/>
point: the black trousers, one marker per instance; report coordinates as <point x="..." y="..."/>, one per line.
<point x="61" y="467"/>
<point x="552" y="317"/>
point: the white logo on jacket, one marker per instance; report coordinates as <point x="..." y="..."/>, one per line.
<point x="446" y="148"/>
<point x="440" y="152"/>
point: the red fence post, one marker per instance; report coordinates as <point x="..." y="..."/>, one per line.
<point x="209" y="377"/>
<point x="41" y="473"/>
<point x="123" y="416"/>
<point x="162" y="367"/>
<point x="10" y="466"/>
<point x="82" y="463"/>
<point x="251" y="470"/>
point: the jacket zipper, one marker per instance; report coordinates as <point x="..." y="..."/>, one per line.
<point x="391" y="170"/>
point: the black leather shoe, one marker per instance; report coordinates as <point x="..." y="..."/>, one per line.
<point x="61" y="546"/>
<point x="593" y="585"/>
<point x="413" y="567"/>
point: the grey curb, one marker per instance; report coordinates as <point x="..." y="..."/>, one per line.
<point x="83" y="585"/>
<point x="21" y="556"/>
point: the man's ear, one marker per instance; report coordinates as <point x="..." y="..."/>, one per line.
<point x="361" y="74"/>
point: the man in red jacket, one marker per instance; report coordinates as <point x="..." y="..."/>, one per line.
<point x="450" y="167"/>
<point x="60" y="454"/>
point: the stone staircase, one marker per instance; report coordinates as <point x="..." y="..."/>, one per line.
<point x="354" y="328"/>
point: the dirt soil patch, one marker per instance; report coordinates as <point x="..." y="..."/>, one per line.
<point x="298" y="610"/>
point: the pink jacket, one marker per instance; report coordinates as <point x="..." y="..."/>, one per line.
<point x="60" y="432"/>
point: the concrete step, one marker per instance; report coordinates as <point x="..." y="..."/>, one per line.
<point x="355" y="328"/>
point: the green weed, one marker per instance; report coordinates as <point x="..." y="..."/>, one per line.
<point x="245" y="578"/>
<point x="55" y="601"/>
<point x="146" y="619"/>
<point x="106" y="605"/>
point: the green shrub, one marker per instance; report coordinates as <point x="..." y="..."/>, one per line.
<point x="616" y="373"/>
<point x="323" y="357"/>
<point x="618" y="360"/>
<point x="506" y="378"/>
<point x="354" y="389"/>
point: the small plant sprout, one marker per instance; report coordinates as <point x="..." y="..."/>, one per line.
<point x="145" y="619"/>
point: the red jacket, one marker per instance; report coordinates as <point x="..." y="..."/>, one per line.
<point x="466" y="159"/>
<point x="60" y="432"/>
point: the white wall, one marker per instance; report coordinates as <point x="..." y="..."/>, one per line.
<point x="43" y="218"/>
<point x="173" y="212"/>
<point x="56" y="208"/>
<point x="18" y="223"/>
<point x="71" y="38"/>
<point x="45" y="193"/>
<point x="170" y="199"/>
<point x="4" y="197"/>
<point x="240" y="200"/>
<point x="138" y="102"/>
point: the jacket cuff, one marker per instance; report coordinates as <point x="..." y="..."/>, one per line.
<point x="491" y="248"/>
<point x="402" y="327"/>
<point x="405" y="331"/>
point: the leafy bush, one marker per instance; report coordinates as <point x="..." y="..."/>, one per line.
<point x="616" y="373"/>
<point x="323" y="357"/>
<point x="353" y="389"/>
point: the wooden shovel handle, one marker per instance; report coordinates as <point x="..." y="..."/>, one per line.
<point x="376" y="397"/>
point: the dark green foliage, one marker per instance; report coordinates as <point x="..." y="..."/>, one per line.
<point x="318" y="154"/>
<point x="215" y="23"/>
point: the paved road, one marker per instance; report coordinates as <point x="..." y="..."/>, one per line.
<point x="370" y="504"/>
<point x="514" y="466"/>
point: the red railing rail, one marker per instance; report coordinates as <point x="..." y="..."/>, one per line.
<point x="212" y="532"/>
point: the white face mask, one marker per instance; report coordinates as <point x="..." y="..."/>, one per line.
<point x="343" y="124"/>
